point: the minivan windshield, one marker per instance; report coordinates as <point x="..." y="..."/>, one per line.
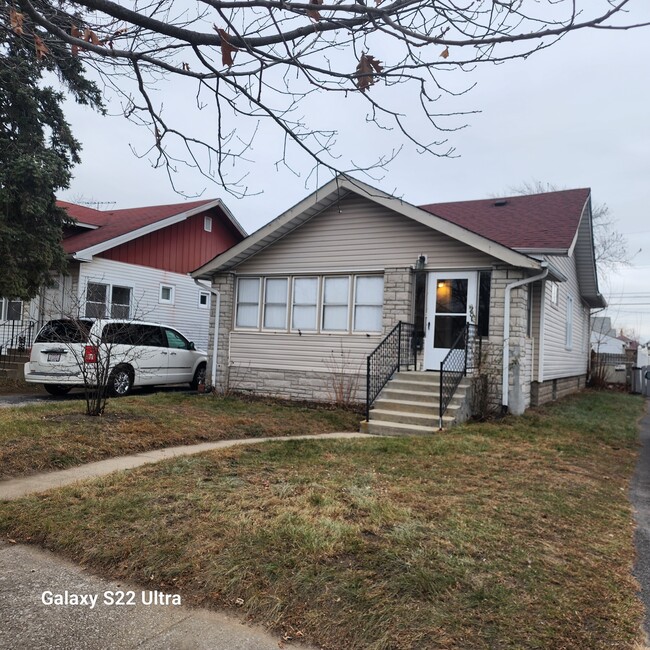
<point x="65" y="330"/>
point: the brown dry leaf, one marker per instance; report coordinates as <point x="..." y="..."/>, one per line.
<point x="186" y="67"/>
<point x="41" y="49"/>
<point x="314" y="14"/>
<point x="16" y="22"/>
<point x="367" y="69"/>
<point x="76" y="33"/>
<point x="378" y="2"/>
<point x="227" y="48"/>
<point x="91" y="37"/>
<point x="445" y="53"/>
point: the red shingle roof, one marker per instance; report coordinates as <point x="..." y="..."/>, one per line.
<point x="114" y="223"/>
<point x="547" y="221"/>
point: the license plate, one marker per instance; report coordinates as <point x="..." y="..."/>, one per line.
<point x="54" y="356"/>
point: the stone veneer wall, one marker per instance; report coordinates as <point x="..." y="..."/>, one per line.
<point x="293" y="384"/>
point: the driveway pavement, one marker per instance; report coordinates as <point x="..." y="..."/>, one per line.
<point x="640" y="496"/>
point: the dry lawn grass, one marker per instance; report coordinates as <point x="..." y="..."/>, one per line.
<point x="495" y="536"/>
<point x="58" y="435"/>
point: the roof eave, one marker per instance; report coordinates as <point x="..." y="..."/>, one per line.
<point x="322" y="198"/>
<point x="87" y="254"/>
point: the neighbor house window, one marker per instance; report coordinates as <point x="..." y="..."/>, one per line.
<point x="96" y="299"/>
<point x="336" y="291"/>
<point x="569" y="322"/>
<point x="11" y="309"/>
<point x="368" y="303"/>
<point x="103" y="301"/>
<point x="275" y="303"/>
<point x="554" y="293"/>
<point x="207" y="224"/>
<point x="204" y="300"/>
<point x="121" y="302"/>
<point x="167" y="294"/>
<point x="305" y="304"/>
<point x="248" y="302"/>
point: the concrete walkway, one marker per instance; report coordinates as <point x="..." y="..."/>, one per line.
<point x="28" y="576"/>
<point x="19" y="487"/>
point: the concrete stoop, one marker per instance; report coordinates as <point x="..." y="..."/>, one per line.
<point x="14" y="368"/>
<point x="409" y="405"/>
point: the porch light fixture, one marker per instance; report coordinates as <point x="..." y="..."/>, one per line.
<point x="419" y="264"/>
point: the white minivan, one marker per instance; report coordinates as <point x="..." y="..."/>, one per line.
<point x="72" y="352"/>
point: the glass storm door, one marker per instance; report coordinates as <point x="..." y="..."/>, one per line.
<point x="451" y="304"/>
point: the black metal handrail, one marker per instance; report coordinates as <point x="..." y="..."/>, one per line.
<point x="464" y="355"/>
<point x="397" y="350"/>
<point x="16" y="337"/>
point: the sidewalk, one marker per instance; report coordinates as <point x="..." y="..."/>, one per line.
<point x="28" y="575"/>
<point x="26" y="623"/>
<point x="12" y="489"/>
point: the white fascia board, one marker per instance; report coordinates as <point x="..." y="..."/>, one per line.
<point x="87" y="253"/>
<point x="82" y="224"/>
<point x="582" y="216"/>
<point x="434" y="222"/>
<point x="347" y="184"/>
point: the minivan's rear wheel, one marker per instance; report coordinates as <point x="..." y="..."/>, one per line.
<point x="199" y="377"/>
<point x="120" y="381"/>
<point x="57" y="389"/>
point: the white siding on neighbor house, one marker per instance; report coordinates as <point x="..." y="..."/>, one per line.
<point x="357" y="234"/>
<point x="558" y="360"/>
<point x="315" y="352"/>
<point x="145" y="282"/>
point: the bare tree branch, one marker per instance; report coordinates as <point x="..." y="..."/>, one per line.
<point x="268" y="61"/>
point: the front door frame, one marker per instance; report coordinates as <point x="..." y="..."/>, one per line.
<point x="434" y="356"/>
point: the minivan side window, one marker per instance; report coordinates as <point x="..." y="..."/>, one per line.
<point x="176" y="340"/>
<point x="133" y="334"/>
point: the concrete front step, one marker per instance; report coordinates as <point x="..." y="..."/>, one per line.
<point x="408" y="406"/>
<point x="379" y="428"/>
<point x="423" y="377"/>
<point x="422" y="396"/>
<point x="404" y="417"/>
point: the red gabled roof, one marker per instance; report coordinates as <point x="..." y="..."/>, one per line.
<point x="547" y="221"/>
<point x="114" y="223"/>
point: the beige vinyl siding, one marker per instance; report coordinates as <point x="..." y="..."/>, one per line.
<point x="558" y="360"/>
<point x="315" y="352"/>
<point x="357" y="234"/>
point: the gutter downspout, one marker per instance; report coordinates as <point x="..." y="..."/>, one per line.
<point x="215" y="343"/>
<point x="505" y="370"/>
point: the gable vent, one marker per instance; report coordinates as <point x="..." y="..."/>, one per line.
<point x="501" y="202"/>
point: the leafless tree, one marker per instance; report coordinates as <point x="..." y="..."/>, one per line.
<point x="256" y="61"/>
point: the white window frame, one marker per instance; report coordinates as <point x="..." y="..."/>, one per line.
<point x="316" y="305"/>
<point x="568" y="340"/>
<point x="4" y="309"/>
<point x="266" y="304"/>
<point x="172" y="294"/>
<point x="356" y="303"/>
<point x="555" y="293"/>
<point x="207" y="224"/>
<point x="258" y="304"/>
<point x="207" y="302"/>
<point x="108" y="303"/>
<point x="336" y="304"/>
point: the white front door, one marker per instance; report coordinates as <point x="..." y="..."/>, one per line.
<point x="451" y="304"/>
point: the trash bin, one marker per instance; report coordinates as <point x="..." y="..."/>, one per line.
<point x="637" y="381"/>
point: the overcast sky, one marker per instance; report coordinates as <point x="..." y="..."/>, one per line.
<point x="575" y="115"/>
